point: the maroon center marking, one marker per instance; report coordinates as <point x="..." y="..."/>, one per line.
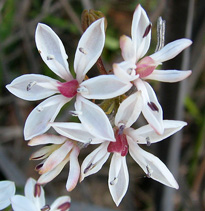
<point x="121" y="145"/>
<point x="68" y="89"/>
<point x="145" y="66"/>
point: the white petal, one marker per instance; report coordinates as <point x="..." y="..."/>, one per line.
<point x="74" y="170"/>
<point x="7" y="190"/>
<point x="75" y="131"/>
<point x="151" y="110"/>
<point x="95" y="160"/>
<point x="4" y="204"/>
<point x="104" y="87"/>
<point x="29" y="188"/>
<point x="21" y="203"/>
<point x="44" y="113"/>
<point x="118" y="178"/>
<point x="89" y="48"/>
<point x="56" y="157"/>
<point x="48" y="176"/>
<point x="152" y="165"/>
<point x="46" y="139"/>
<point x="125" y="71"/>
<point x="169" y="75"/>
<point x="43" y="152"/>
<point x="171" y="50"/>
<point x="127" y="48"/>
<point x="147" y="135"/>
<point x="115" y="167"/>
<point x="29" y="193"/>
<point x="63" y="200"/>
<point x="52" y="51"/>
<point x="33" y="87"/>
<point x="129" y="110"/>
<point x="140" y="23"/>
<point x="94" y="119"/>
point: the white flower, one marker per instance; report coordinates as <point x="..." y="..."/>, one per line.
<point x="34" y="200"/>
<point x="37" y="87"/>
<point x="63" y="149"/>
<point x="7" y="190"/>
<point x="97" y="127"/>
<point x="127" y="139"/>
<point x="56" y="154"/>
<point x="133" y="69"/>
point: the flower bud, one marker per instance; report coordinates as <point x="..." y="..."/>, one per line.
<point x="90" y="16"/>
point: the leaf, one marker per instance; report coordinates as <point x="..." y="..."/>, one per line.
<point x="193" y="110"/>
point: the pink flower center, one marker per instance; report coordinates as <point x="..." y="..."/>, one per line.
<point x="68" y="89"/>
<point x="121" y="145"/>
<point x="145" y="66"/>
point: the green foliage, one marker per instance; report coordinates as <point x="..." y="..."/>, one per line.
<point x="193" y="110"/>
<point x="35" y="8"/>
<point x="111" y="43"/>
<point x="7" y="21"/>
<point x="197" y="151"/>
<point x="112" y="46"/>
<point x="199" y="118"/>
<point x="8" y="208"/>
<point x="61" y="24"/>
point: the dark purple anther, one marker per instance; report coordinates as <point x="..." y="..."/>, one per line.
<point x="45" y="208"/>
<point x="64" y="206"/>
<point x="39" y="166"/>
<point x="147" y="30"/>
<point x="39" y="157"/>
<point x="121" y="128"/>
<point x="153" y="106"/>
<point x="88" y="168"/>
<point x="37" y="190"/>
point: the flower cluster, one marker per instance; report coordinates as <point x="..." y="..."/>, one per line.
<point x="34" y="199"/>
<point x="116" y="136"/>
